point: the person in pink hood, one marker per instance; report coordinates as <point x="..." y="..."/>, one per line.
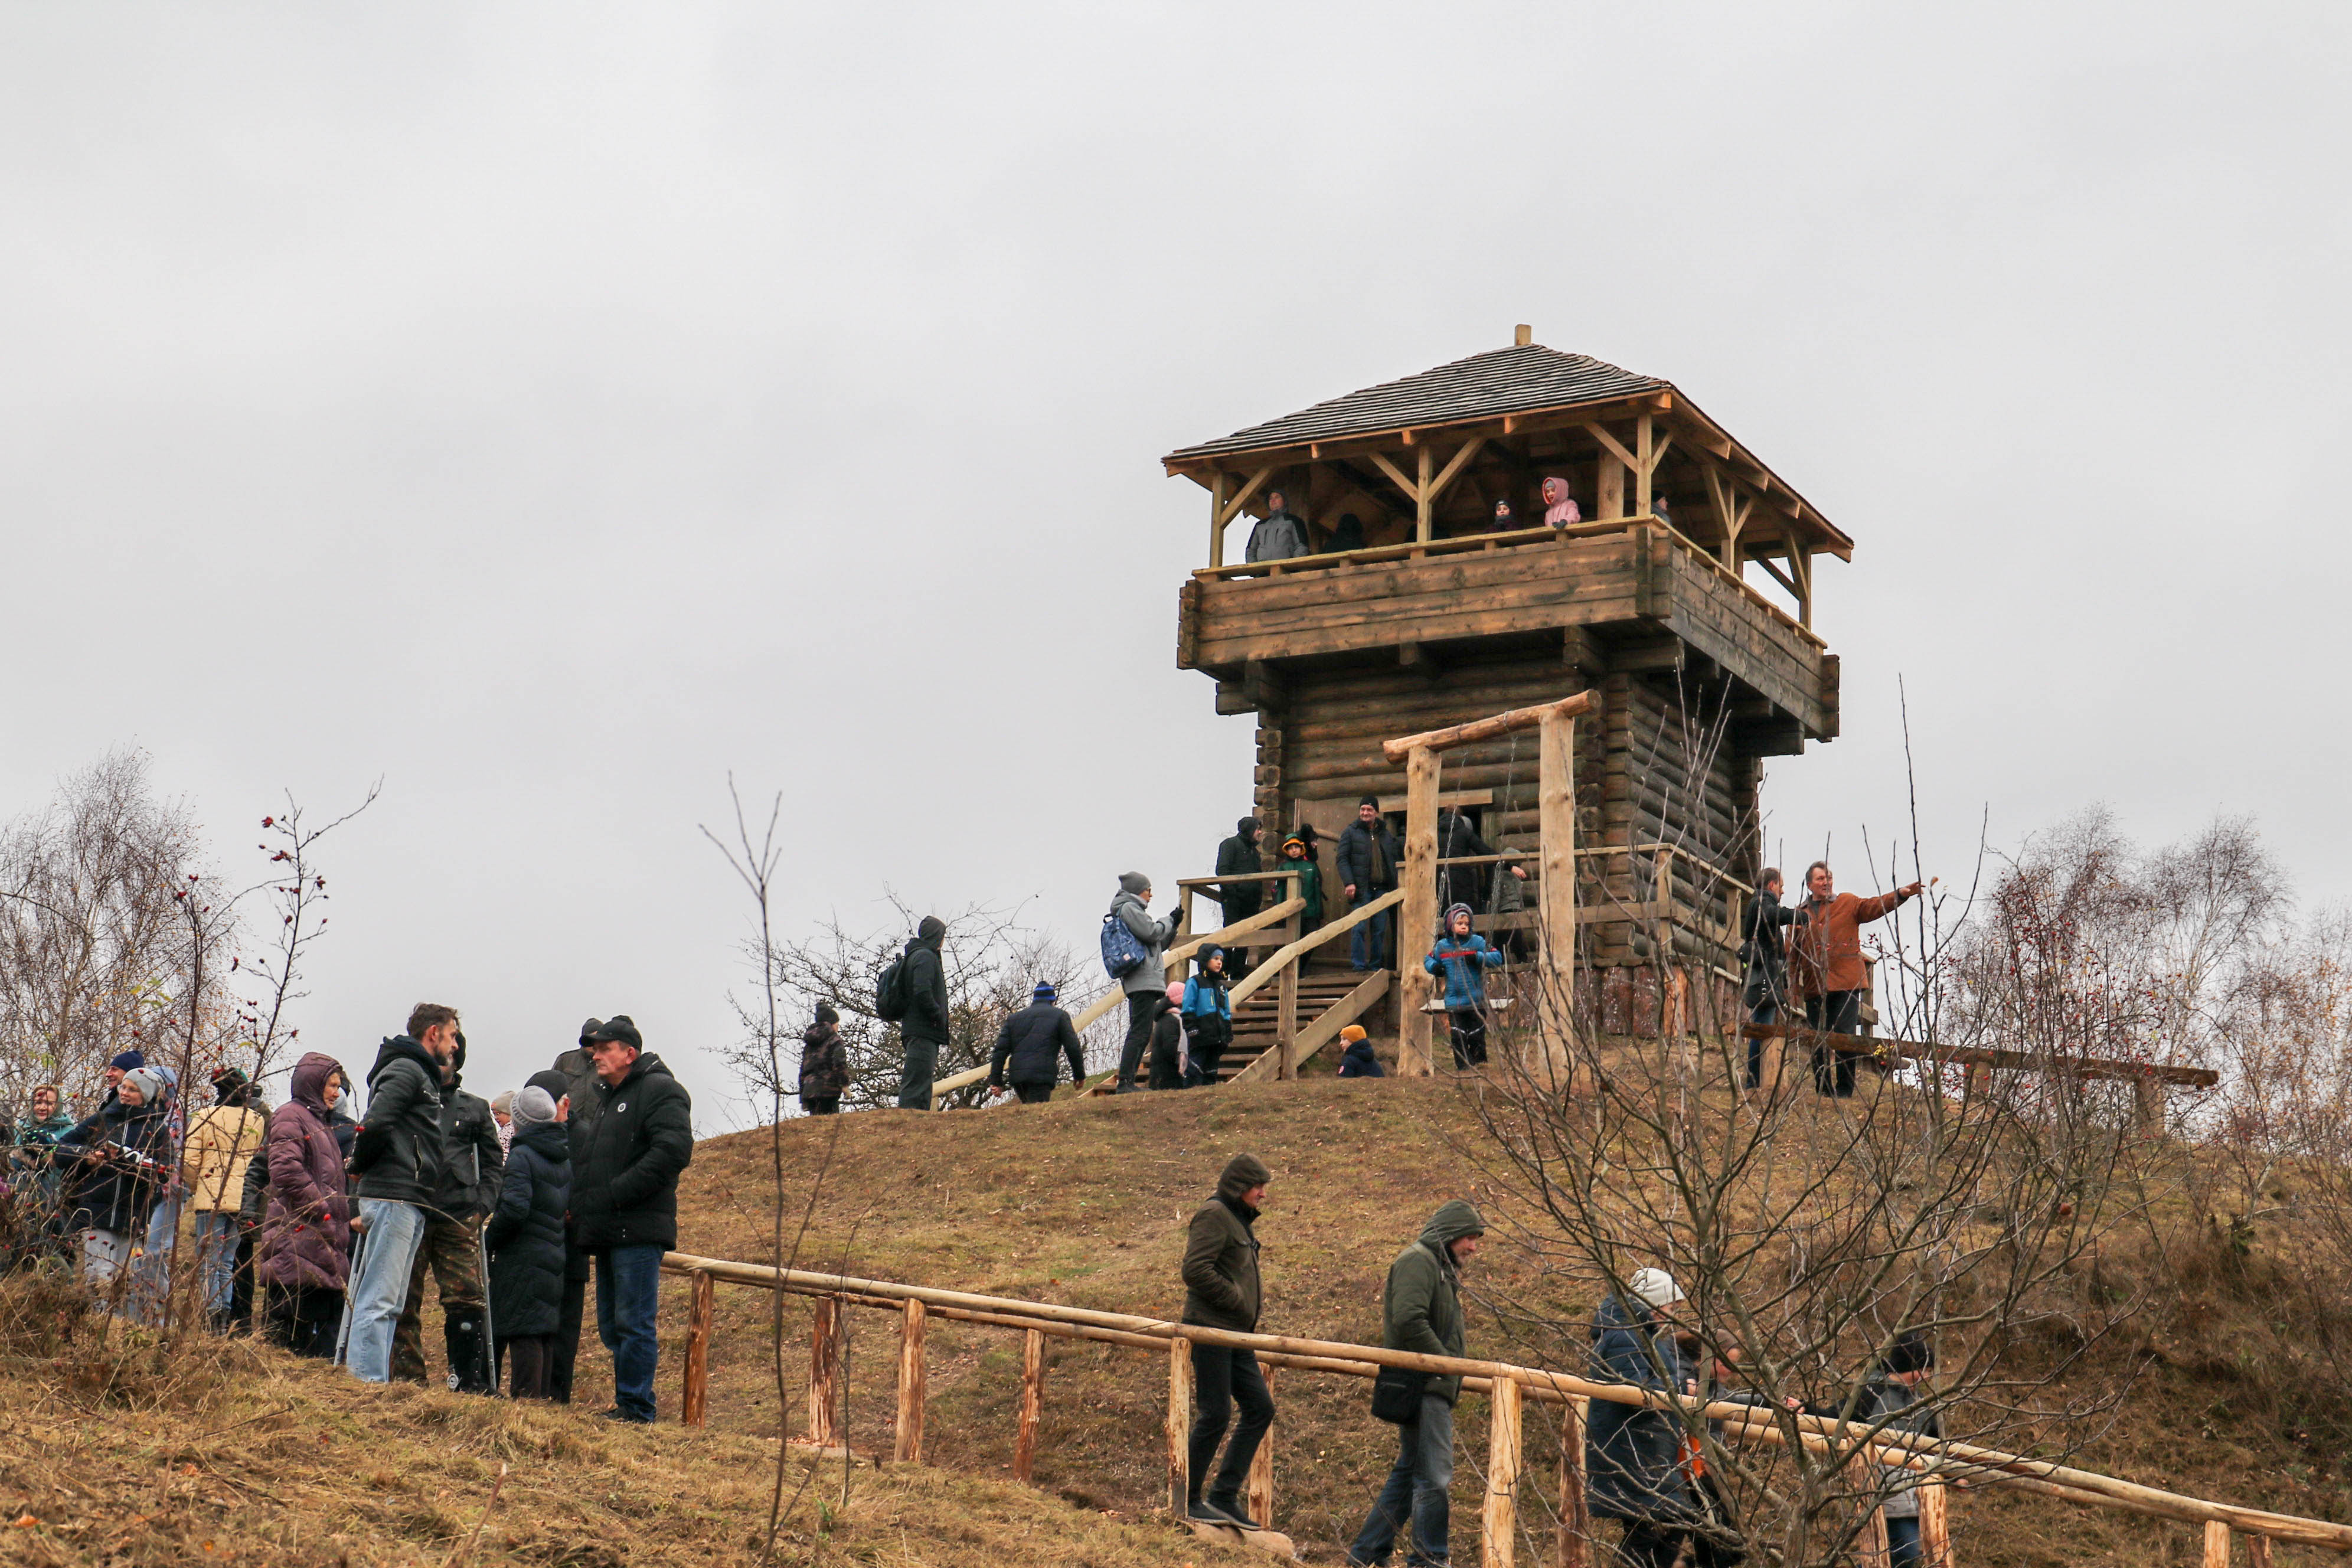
<point x="1559" y="506"/>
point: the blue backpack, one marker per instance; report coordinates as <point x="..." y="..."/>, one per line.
<point x="1121" y="953"/>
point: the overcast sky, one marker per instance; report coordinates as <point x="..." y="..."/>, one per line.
<point x="552" y="410"/>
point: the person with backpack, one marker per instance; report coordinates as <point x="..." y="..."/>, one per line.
<point x="1221" y="1292"/>
<point x="1133" y="943"/>
<point x="525" y="1236"/>
<point x="1462" y="956"/>
<point x="1421" y="1310"/>
<point x="824" y="1064"/>
<point x="1368" y="868"/>
<point x="1207" y="1011"/>
<point x="913" y="995"/>
<point x="1032" y="1045"/>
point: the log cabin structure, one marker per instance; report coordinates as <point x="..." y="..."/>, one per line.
<point x="1413" y="610"/>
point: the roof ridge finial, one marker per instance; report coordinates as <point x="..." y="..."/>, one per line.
<point x="1522" y="335"/>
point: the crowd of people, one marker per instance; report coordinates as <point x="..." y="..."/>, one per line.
<point x="1282" y="535"/>
<point x="323" y="1230"/>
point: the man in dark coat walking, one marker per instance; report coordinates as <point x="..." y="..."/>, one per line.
<point x="473" y="1169"/>
<point x="1221" y="1292"/>
<point x="1367" y="867"/>
<point x="571" y="1080"/>
<point x="625" y="1173"/>
<point x="924" y="1029"/>
<point x="1031" y="1046"/>
<point x="397" y="1155"/>
<point x="1633" y="1455"/>
<point x="526" y="1242"/>
<point x="1238" y="857"/>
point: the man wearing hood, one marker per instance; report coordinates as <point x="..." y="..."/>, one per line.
<point x="1238" y="857"/>
<point x="571" y="1079"/>
<point x="1146" y="983"/>
<point x="1280" y="534"/>
<point x="1634" y="1455"/>
<point x="397" y="1156"/>
<point x="305" y="1252"/>
<point x="473" y="1172"/>
<point x="624" y="1176"/>
<point x="1421" y="1310"/>
<point x="1031" y="1046"/>
<point x="1221" y="1291"/>
<point x="32" y="1162"/>
<point x="924" y="1029"/>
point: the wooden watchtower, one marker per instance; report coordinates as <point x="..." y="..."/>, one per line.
<point x="1437" y="619"/>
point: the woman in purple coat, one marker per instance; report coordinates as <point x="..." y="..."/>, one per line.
<point x="306" y="1239"/>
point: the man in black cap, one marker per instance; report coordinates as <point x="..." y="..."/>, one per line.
<point x="1368" y="868"/>
<point x="1238" y="856"/>
<point x="577" y="1090"/>
<point x="625" y="1171"/>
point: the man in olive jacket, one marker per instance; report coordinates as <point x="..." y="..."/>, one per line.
<point x="1221" y="1291"/>
<point x="473" y="1171"/>
<point x="625" y="1169"/>
<point x="396" y="1154"/>
<point x="1422" y="1311"/>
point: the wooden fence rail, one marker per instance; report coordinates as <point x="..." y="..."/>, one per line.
<point x="1507" y="1386"/>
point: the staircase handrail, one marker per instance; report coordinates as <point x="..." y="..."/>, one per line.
<point x="1283" y="957"/>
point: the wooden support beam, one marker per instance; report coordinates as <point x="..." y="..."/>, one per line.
<point x="1574" y="1546"/>
<point x="824" y="1373"/>
<point x="1396" y="476"/>
<point x="1517" y="719"/>
<point x="1217" y="519"/>
<point x="1286" y="1014"/>
<point x="695" y="1407"/>
<point x="1233" y="507"/>
<point x="1424" y="514"/>
<point x="1454" y="467"/>
<point x="914" y="1379"/>
<point x="1417" y="926"/>
<point x="1259" y="1494"/>
<point x="1179" y="1424"/>
<point x="1645" y="466"/>
<point x="1032" y="1403"/>
<point x="1870" y="1547"/>
<point x="1499" y="1539"/>
<point x="1611" y="448"/>
<point x="2258" y="1552"/>
<point x="1556" y="893"/>
<point x="1935" y="1527"/>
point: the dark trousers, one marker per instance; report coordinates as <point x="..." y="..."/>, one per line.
<point x="451" y="1252"/>
<point x="821" y="1104"/>
<point x="1033" y="1093"/>
<point x="240" y="1299"/>
<point x="305" y="1321"/>
<point x="530" y="1359"/>
<point x="1837" y="1012"/>
<point x="1221" y="1379"/>
<point x="922" y="1066"/>
<point x="1651" y="1545"/>
<point x="1902" y="1542"/>
<point x="1139" y="1035"/>
<point x="1766" y="1011"/>
<point x="628" y="1292"/>
<point x="1469" y="1037"/>
<point x="566" y="1349"/>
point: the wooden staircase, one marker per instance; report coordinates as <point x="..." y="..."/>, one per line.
<point x="1319" y="990"/>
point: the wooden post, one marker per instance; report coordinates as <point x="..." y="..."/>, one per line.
<point x="1417" y="919"/>
<point x="696" y="1404"/>
<point x="1556" y="894"/>
<point x="1499" y="1539"/>
<point x="1870" y="1548"/>
<point x="2217" y="1544"/>
<point x="1575" y="1520"/>
<point x="1285" y="1009"/>
<point x="1033" y="1400"/>
<point x="1260" y="1497"/>
<point x="1935" y="1526"/>
<point x="1645" y="453"/>
<point x="1609" y="489"/>
<point x="2147" y="1100"/>
<point x="1424" y="515"/>
<point x="913" y="1377"/>
<point x="1217" y="519"/>
<point x="1179" y="1424"/>
<point x="2258" y="1552"/>
<point x="824" y="1373"/>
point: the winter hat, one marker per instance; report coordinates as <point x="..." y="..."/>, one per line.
<point x="1295" y="842"/>
<point x="556" y="1084"/>
<point x="534" y="1104"/>
<point x="1041" y="992"/>
<point x="1241" y="1173"/>
<point x="503" y="1104"/>
<point x="1248" y="825"/>
<point x="1371" y="800"/>
<point x="931" y="928"/>
<point x="1655" y="1288"/>
<point x="826" y="1015"/>
<point x="619" y="1027"/>
<point x="230" y="1086"/>
<point x="1351" y="1034"/>
<point x="1134" y="882"/>
<point x="1453" y="909"/>
<point x="128" y="1061"/>
<point x="1176" y="991"/>
<point x="149" y="1084"/>
<point x="588" y="1031"/>
<point x="1911" y="1352"/>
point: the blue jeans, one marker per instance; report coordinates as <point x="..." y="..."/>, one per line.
<point x="216" y="1256"/>
<point x="1766" y="1011"/>
<point x="1374" y="931"/>
<point x="628" y="1290"/>
<point x="151" y="1277"/>
<point x="1902" y="1542"/>
<point x="1416" y="1488"/>
<point x="379" y="1288"/>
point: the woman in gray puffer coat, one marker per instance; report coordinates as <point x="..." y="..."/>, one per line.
<point x="526" y="1242"/>
<point x="1148" y="981"/>
<point x="306" y="1232"/>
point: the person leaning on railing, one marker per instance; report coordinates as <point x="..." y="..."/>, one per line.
<point x="1825" y="965"/>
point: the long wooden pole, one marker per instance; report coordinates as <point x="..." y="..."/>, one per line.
<point x="1418" y="926"/>
<point x="1935" y="1526"/>
<point x="694" y="1407"/>
<point x="1498" y="1538"/>
<point x="1033" y="1405"/>
<point x="1261" y="1471"/>
<point x="824" y="1372"/>
<point x="913" y="1380"/>
<point x="1556" y="894"/>
<point x="1517" y="719"/>
<point x="1286" y="1012"/>
<point x="1575" y="1543"/>
<point x="1180" y="1426"/>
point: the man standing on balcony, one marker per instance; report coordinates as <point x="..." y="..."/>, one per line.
<point x="1279" y="535"/>
<point x="1368" y="863"/>
<point x="1238" y="857"/>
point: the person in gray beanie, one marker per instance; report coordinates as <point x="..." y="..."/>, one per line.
<point x="1146" y="983"/>
<point x="525" y="1243"/>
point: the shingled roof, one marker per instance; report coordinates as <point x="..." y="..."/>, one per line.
<point x="1503" y="381"/>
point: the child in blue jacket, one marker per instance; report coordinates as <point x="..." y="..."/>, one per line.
<point x="1208" y="1016"/>
<point x="1463" y="957"/>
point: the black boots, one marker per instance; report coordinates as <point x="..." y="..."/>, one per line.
<point x="469" y="1364"/>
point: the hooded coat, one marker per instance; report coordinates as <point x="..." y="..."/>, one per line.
<point x="1279" y="536"/>
<point x="824" y="1065"/>
<point x="117" y="1194"/>
<point x="1632" y="1457"/>
<point x="624" y="1170"/>
<point x="1463" y="961"/>
<point x="397" y="1153"/>
<point x="1421" y="1309"/>
<point x="34" y="1138"/>
<point x="927" y="986"/>
<point x="526" y="1231"/>
<point x="1220" y="1283"/>
<point x="1167" y="1045"/>
<point x="1238" y="857"/>
<point x="1360" y="1060"/>
<point x="306" y="1231"/>
<point x="1152" y="974"/>
<point x="1034" y="1044"/>
<point x="1559" y="504"/>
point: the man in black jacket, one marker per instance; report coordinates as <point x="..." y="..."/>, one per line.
<point x="1237" y="856"/>
<point x="578" y="1092"/>
<point x="396" y="1155"/>
<point x="1367" y="867"/>
<point x="625" y="1171"/>
<point x="473" y="1169"/>
<point x="1221" y="1291"/>
<point x="924" y="1029"/>
<point x="1765" y="958"/>
<point x="1033" y="1042"/>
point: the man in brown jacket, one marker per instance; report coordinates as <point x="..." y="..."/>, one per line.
<point x="1825" y="965"/>
<point x="1221" y="1291"/>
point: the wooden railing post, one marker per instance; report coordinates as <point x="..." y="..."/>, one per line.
<point x="696" y="1404"/>
<point x="1032" y="1401"/>
<point x="913" y="1376"/>
<point x="1575" y="1519"/>
<point x="824" y="1372"/>
<point x="2217" y="1544"/>
<point x="1417" y="920"/>
<point x="1556" y="898"/>
<point x="1870" y="1548"/>
<point x="1499" y="1539"/>
<point x="1935" y="1526"/>
<point x="1285" y="1014"/>
<point x="1179" y="1424"/>
<point x="1261" y="1474"/>
<point x="2258" y="1552"/>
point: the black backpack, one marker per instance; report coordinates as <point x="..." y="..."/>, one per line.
<point x="890" y="991"/>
